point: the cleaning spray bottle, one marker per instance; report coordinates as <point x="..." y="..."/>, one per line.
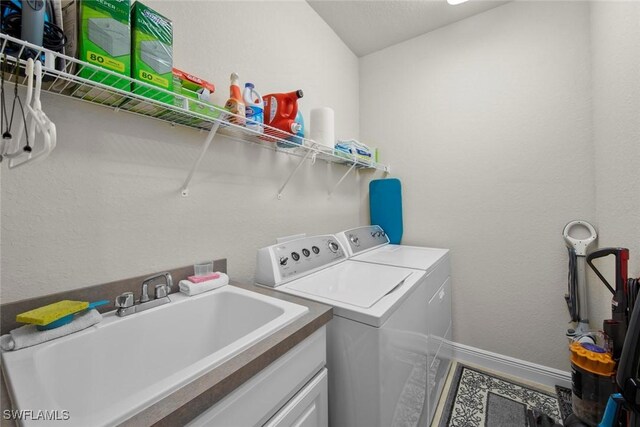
<point x="280" y="112"/>
<point x="235" y="104"/>
<point x="254" y="107"/>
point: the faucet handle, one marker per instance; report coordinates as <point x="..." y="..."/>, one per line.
<point x="144" y="297"/>
<point x="162" y="291"/>
<point x="124" y="300"/>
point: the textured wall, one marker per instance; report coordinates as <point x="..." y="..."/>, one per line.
<point x="487" y="122"/>
<point x="616" y="114"/>
<point x="106" y="203"/>
<point x="496" y="125"/>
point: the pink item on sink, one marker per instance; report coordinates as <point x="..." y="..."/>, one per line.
<point x="200" y="279"/>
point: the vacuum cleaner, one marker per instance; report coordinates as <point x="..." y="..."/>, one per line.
<point x="596" y="355"/>
<point x="576" y="296"/>
<point x="623" y="408"/>
<point x="593" y="364"/>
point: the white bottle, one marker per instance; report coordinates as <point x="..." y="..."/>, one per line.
<point x="254" y="108"/>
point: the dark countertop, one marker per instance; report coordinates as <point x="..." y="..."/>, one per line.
<point x="191" y="400"/>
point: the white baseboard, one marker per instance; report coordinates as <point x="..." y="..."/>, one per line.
<point x="510" y="365"/>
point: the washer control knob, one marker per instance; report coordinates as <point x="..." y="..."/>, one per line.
<point x="283" y="260"/>
<point x="333" y="246"/>
<point x="355" y="240"/>
<point x="295" y="256"/>
<point x="315" y="249"/>
<point x="306" y="252"/>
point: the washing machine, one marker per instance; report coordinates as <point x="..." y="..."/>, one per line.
<point x="371" y="245"/>
<point x="377" y="340"/>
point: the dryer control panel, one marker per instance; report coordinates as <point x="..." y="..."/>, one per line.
<point x="286" y="261"/>
<point x="362" y="239"/>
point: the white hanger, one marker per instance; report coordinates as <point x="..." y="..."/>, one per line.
<point x="38" y="122"/>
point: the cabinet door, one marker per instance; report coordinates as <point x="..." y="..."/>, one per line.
<point x="308" y="408"/>
<point x="257" y="400"/>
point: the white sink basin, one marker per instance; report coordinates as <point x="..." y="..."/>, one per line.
<point x="113" y="370"/>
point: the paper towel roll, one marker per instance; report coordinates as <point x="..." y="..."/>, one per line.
<point x="322" y="126"/>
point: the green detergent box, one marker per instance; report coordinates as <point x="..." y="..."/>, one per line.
<point x="104" y="40"/>
<point x="152" y="52"/>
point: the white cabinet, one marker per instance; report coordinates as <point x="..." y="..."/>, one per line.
<point x="308" y="408"/>
<point x="291" y="391"/>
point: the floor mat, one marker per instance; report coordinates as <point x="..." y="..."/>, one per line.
<point x="479" y="399"/>
<point x="564" y="398"/>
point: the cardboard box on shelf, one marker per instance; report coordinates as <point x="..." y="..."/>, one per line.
<point x="103" y="30"/>
<point x="152" y="52"/>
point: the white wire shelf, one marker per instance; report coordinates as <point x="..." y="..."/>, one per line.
<point x="62" y="76"/>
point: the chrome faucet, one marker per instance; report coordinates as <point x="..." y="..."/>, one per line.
<point x="127" y="305"/>
<point x="161" y="290"/>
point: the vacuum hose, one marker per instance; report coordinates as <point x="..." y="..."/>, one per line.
<point x="573" y="302"/>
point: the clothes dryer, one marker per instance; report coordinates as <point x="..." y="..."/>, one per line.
<point x="370" y="244"/>
<point x="376" y="341"/>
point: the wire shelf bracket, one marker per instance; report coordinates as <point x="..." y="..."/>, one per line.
<point x="205" y="146"/>
<point x="335" y="187"/>
<point x="293" y="172"/>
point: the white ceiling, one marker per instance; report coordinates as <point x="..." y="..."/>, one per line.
<point x="370" y="25"/>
